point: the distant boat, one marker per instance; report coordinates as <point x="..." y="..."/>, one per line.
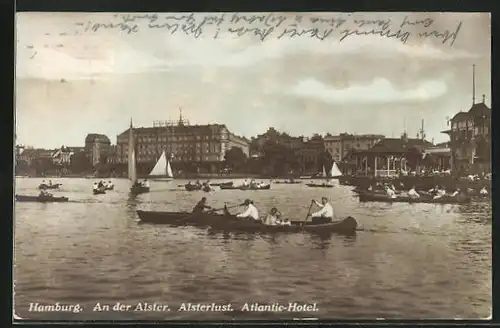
<point x="335" y="171"/>
<point x="162" y="170"/>
<point x="137" y="187"/>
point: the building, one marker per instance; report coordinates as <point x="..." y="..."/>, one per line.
<point x="390" y="155"/>
<point x="113" y="157"/>
<point x="97" y="147"/>
<point x="201" y="146"/>
<point x="310" y="154"/>
<point x="470" y="139"/>
<point x="341" y="145"/>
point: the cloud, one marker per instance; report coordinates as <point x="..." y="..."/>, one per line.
<point x="379" y="91"/>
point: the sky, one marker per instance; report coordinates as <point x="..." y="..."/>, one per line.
<point x="72" y="80"/>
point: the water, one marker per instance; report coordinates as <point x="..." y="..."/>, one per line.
<point x="419" y="261"/>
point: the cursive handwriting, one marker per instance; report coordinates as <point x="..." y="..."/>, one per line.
<point x="268" y="26"/>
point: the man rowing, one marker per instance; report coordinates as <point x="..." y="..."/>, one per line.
<point x="201" y="206"/>
<point x="389" y="192"/>
<point x="325" y="214"/>
<point x="251" y="211"/>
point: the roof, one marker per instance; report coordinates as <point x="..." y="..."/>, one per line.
<point x="187" y="129"/>
<point x="397" y="145"/>
<point x="477" y="110"/>
<point x="91" y="137"/>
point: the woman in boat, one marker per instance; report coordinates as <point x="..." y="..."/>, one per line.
<point x="273" y="217"/>
<point x="325" y="214"/>
<point x="440" y="193"/>
<point x="251" y="211"/>
<point x="389" y="192"/>
<point x="413" y="194"/>
<point x="95" y="186"/>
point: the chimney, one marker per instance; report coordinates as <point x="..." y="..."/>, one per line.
<point x="483" y="98"/>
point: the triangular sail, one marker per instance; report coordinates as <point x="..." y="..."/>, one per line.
<point x="335" y="172"/>
<point x="160" y="168"/>
<point x="169" y="170"/>
<point x="132" y="174"/>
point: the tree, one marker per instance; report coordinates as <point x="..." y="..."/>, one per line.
<point x="279" y="158"/>
<point x="79" y="162"/>
<point x="235" y="158"/>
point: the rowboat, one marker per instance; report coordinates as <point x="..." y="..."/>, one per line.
<point x="194" y="187"/>
<point x="316" y="185"/>
<point x="264" y="187"/>
<point x="99" y="191"/>
<point x="287" y="182"/>
<point x="138" y="189"/>
<point x="223" y="222"/>
<point x="41" y="199"/>
<point x="46" y="186"/>
<point x="345" y="226"/>
<point x="371" y="197"/>
<point x="218" y="184"/>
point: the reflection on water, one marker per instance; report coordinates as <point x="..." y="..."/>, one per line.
<point x="406" y="260"/>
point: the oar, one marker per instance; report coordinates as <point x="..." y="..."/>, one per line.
<point x="308" y="212"/>
<point x="210" y="211"/>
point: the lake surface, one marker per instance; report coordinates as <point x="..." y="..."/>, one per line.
<point x="411" y="261"/>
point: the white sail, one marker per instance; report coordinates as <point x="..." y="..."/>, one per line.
<point x="160" y="168"/>
<point x="132" y="174"/>
<point x="169" y="170"/>
<point x="335" y="171"/>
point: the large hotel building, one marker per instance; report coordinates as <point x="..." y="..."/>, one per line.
<point x="204" y="146"/>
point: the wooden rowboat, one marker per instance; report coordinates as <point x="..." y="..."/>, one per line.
<point x="265" y="187"/>
<point x="44" y="186"/>
<point x="287" y="182"/>
<point x="374" y="197"/>
<point x="231" y="223"/>
<point x="315" y="185"/>
<point x="138" y="189"/>
<point x="41" y="199"/>
<point x="99" y="191"/>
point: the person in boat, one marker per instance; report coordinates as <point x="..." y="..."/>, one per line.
<point x="392" y="187"/>
<point x="389" y="192"/>
<point x="198" y="183"/>
<point x="412" y="193"/>
<point x="110" y="184"/>
<point x="370" y="188"/>
<point x="273" y="217"/>
<point x="483" y="191"/>
<point x="253" y="184"/>
<point x="283" y="222"/>
<point x="325" y="214"/>
<point x="145" y="183"/>
<point x="50" y="182"/>
<point x="456" y="193"/>
<point x="201" y="206"/>
<point x="96" y="186"/>
<point x="251" y="211"/>
<point x="44" y="193"/>
<point x="245" y="183"/>
<point x="100" y="185"/>
<point x="440" y="193"/>
<point x="433" y="191"/>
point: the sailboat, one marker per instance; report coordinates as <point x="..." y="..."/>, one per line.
<point x="137" y="187"/>
<point x="162" y="170"/>
<point x="335" y="171"/>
